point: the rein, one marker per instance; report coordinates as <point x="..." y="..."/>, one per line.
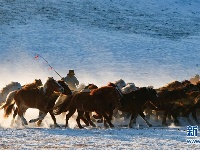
<point x="119" y="91"/>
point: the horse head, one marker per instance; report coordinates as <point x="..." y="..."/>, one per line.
<point x="67" y="91"/>
<point x="38" y="82"/>
<point x="190" y="88"/>
<point x="52" y="85"/>
<point x="92" y="86"/>
<point x="120" y="83"/>
<point x="152" y="95"/>
<point x="117" y="88"/>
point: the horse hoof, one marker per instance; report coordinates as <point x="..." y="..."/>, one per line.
<point x="38" y="123"/>
<point x="31" y="121"/>
<point x="93" y="125"/>
<point x="150" y="125"/>
<point x="112" y="126"/>
<point x="24" y="123"/>
<point x="176" y="123"/>
<point x="164" y="124"/>
<point x="100" y="121"/>
<point x="80" y="127"/>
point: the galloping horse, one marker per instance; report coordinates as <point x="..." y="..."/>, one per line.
<point x="63" y="101"/>
<point x="37" y="98"/>
<point x="100" y="100"/>
<point x="170" y="100"/>
<point x="134" y="102"/>
<point x="67" y="93"/>
<point x="10" y="98"/>
<point x="7" y="89"/>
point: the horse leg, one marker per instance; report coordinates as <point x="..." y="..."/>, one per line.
<point x="133" y="119"/>
<point x="38" y="123"/>
<point x="164" y="123"/>
<point x="21" y="115"/>
<point x="54" y="119"/>
<point x="14" y="115"/>
<point x="195" y="116"/>
<point x="143" y="117"/>
<point x="107" y="119"/>
<point x="148" y="112"/>
<point x="85" y="120"/>
<point x="176" y="121"/>
<point x="70" y="113"/>
<point x="80" y="115"/>
<point x="41" y="117"/>
<point x="87" y="115"/>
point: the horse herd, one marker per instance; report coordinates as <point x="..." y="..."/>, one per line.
<point x="116" y="99"/>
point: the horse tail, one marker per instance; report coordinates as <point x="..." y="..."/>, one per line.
<point x="62" y="106"/>
<point x="8" y="105"/>
<point x="8" y="110"/>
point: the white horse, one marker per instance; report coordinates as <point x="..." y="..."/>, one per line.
<point x="7" y="89"/>
<point x="120" y="83"/>
<point x="129" y="88"/>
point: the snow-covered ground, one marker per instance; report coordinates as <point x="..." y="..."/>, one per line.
<point x="139" y="137"/>
<point x="148" y="43"/>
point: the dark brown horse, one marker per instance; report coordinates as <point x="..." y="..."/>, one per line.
<point x="170" y="98"/>
<point x="67" y="93"/>
<point x="173" y="102"/>
<point x="134" y="102"/>
<point x="63" y="101"/>
<point x="37" y="98"/>
<point x="101" y="100"/>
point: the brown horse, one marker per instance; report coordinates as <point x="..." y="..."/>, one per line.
<point x="134" y="102"/>
<point x="62" y="103"/>
<point x="170" y="98"/>
<point x="174" y="101"/>
<point x="10" y="98"/>
<point x="101" y="100"/>
<point x="67" y="93"/>
<point x="37" y="98"/>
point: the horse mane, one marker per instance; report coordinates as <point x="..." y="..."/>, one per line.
<point x="8" y="86"/>
<point x="32" y="85"/>
<point x="171" y="86"/>
<point x="100" y="90"/>
<point x="111" y="84"/>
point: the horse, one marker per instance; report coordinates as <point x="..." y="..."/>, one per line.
<point x="129" y="88"/>
<point x="120" y="83"/>
<point x="172" y="102"/>
<point x="39" y="98"/>
<point x="66" y="94"/>
<point x="169" y="96"/>
<point x="194" y="99"/>
<point x="7" y="89"/>
<point x="100" y="100"/>
<point x="195" y="79"/>
<point x="62" y="102"/>
<point x="134" y="102"/>
<point x="10" y="98"/>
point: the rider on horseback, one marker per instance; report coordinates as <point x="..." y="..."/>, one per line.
<point x="71" y="80"/>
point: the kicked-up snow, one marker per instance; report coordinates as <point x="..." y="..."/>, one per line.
<point x="148" y="43"/>
<point x="119" y="137"/>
